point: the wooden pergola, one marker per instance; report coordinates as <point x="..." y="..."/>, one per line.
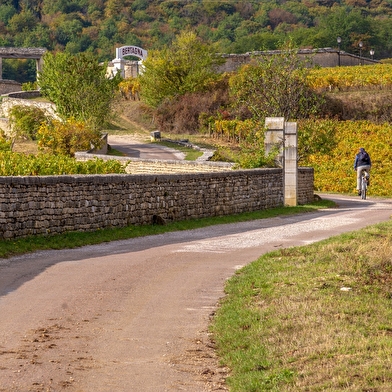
<point x="21" y="53"/>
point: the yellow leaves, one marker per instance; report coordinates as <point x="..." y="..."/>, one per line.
<point x="346" y="78"/>
<point x="234" y="130"/>
<point x="129" y="88"/>
<point x="66" y="137"/>
<point x="334" y="170"/>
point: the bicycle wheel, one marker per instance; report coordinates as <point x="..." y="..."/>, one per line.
<point x="363" y="188"/>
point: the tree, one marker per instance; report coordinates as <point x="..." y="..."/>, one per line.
<point x="185" y="67"/>
<point x="274" y="85"/>
<point x="78" y="86"/>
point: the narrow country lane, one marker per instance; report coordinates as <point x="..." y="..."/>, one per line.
<point x="132" y="316"/>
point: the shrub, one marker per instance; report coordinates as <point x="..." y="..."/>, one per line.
<point x="189" y="113"/>
<point x="26" y="120"/>
<point x="65" y="138"/>
<point x="17" y="164"/>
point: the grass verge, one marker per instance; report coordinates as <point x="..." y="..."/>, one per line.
<point x="312" y="318"/>
<point x="70" y="240"/>
<point x="191" y="154"/>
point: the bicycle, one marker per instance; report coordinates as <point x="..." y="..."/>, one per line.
<point x="364" y="183"/>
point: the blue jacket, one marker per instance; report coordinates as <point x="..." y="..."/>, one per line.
<point x="362" y="159"/>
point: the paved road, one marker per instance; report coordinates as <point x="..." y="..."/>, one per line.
<point x="132" y="315"/>
<point x="135" y="148"/>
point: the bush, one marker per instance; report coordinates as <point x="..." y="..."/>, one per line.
<point x="65" y="138"/>
<point x="26" y="120"/>
<point x="16" y="164"/>
<point x="185" y="114"/>
<point x="5" y="144"/>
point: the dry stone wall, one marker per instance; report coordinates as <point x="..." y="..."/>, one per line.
<point x="56" y="204"/>
<point x="8" y="86"/>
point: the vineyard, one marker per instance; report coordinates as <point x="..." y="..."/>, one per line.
<point x="335" y="143"/>
<point x="377" y="76"/>
<point x="330" y="145"/>
<point x="17" y="164"/>
<point x="333" y="163"/>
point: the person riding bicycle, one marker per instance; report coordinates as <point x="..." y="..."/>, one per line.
<point x="362" y="162"/>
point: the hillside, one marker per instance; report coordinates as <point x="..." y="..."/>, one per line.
<point x="233" y="26"/>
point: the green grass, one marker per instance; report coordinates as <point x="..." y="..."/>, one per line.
<point x="191" y="154"/>
<point x="312" y="318"/>
<point x="76" y="239"/>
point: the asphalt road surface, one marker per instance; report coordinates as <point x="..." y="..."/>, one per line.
<point x="135" y="148"/>
<point x="133" y="315"/>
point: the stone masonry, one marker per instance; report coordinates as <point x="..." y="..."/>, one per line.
<point x="56" y="204"/>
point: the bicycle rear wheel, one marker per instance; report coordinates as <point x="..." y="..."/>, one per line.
<point x="363" y="189"/>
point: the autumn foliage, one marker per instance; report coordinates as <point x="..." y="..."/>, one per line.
<point x="332" y="157"/>
<point x="377" y="76"/>
<point x="65" y="138"/>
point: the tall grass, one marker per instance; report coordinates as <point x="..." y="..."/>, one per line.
<point x="314" y="318"/>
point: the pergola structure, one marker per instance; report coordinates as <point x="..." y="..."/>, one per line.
<point x="21" y="53"/>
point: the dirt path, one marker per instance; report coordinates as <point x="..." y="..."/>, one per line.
<point x="133" y="315"/>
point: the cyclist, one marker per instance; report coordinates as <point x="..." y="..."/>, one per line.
<point x="362" y="162"/>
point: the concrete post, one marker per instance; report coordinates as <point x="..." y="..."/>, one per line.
<point x="1" y="68"/>
<point x="290" y="164"/>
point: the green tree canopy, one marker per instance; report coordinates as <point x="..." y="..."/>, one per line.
<point x="78" y="85"/>
<point x="187" y="66"/>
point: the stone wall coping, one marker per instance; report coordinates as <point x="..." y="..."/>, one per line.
<point x="26" y="53"/>
<point x="120" y="178"/>
<point x="87" y="155"/>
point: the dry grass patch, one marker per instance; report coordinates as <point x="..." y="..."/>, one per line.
<point x="315" y="318"/>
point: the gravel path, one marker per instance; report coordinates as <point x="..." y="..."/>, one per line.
<point x="133" y="315"/>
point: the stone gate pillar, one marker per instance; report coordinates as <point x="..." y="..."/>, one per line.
<point x="290" y="164"/>
<point x="283" y="135"/>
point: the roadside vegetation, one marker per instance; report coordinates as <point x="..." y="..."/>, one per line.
<point x="312" y="318"/>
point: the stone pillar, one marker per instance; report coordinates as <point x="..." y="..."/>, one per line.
<point x="290" y="164"/>
<point x="118" y="65"/>
<point x="274" y="136"/>
<point x="283" y="136"/>
<point x="1" y="68"/>
<point x="39" y="63"/>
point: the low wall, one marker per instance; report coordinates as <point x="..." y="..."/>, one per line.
<point x="8" y="86"/>
<point x="327" y="57"/>
<point x="55" y="204"/>
<point x="9" y="101"/>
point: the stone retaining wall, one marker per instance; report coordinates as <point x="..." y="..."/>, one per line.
<point x="8" y="86"/>
<point x="159" y="166"/>
<point x="9" y="101"/>
<point x="326" y="57"/>
<point x="55" y="204"/>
